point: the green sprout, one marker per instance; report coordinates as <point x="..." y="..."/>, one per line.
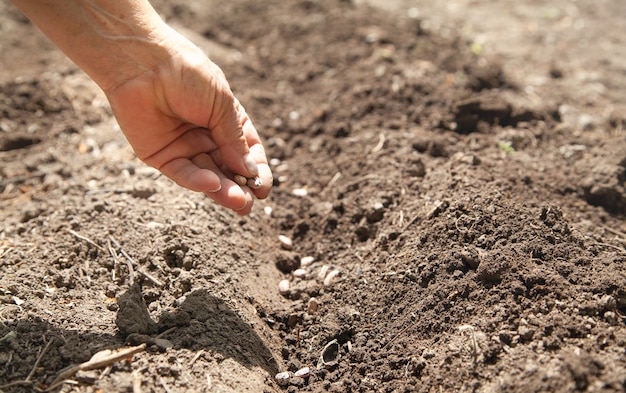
<point x="506" y="146"/>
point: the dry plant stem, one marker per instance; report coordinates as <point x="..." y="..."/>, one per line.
<point x="332" y="182"/>
<point x="132" y="262"/>
<point x="15" y="383"/>
<point x="621" y="235"/>
<point x="380" y="145"/>
<point x="129" y="261"/>
<point x="196" y="357"/>
<point x="116" y="262"/>
<point x="616" y="248"/>
<point x="32" y="372"/>
<point x="401" y="332"/>
<point x="165" y="333"/>
<point x="28" y="381"/>
<point x="86" y="239"/>
<point x="165" y="387"/>
<point x="99" y="360"/>
<point x="136" y="383"/>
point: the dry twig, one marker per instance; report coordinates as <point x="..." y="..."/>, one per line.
<point x="167" y="389"/>
<point x="132" y="263"/>
<point x="380" y="145"/>
<point x="99" y="360"/>
<point x="621" y="235"/>
<point x="616" y="248"/>
<point x="81" y="237"/>
<point x="129" y="262"/>
<point x="28" y="380"/>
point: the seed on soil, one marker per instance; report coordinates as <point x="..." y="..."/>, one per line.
<point x="283" y="287"/>
<point x="330" y="354"/>
<point x="268" y="210"/>
<point x="303" y="372"/>
<point x="283" y="378"/>
<point x="285" y="242"/>
<point x="299" y="273"/>
<point x="305" y="261"/>
<point x="312" y="306"/>
<point x="323" y="271"/>
<point x="300" y="192"/>
<point x="330" y="277"/>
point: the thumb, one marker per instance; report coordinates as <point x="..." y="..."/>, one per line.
<point x="227" y="131"/>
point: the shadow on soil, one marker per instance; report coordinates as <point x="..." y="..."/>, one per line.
<point x="202" y="322"/>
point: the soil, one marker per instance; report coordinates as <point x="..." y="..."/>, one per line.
<point x="452" y="178"/>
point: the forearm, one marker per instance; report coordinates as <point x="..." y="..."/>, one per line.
<point x="112" y="41"/>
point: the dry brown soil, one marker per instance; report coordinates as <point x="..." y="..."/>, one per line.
<point x="464" y="164"/>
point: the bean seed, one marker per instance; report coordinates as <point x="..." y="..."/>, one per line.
<point x="241" y="180"/>
<point x="330" y="277"/>
<point x="285" y="242"/>
<point x="283" y="287"/>
<point x="322" y="274"/>
<point x="303" y="372"/>
<point x="255" y="183"/>
<point x="283" y="378"/>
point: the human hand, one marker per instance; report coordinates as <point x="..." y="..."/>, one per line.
<point x="182" y="118"/>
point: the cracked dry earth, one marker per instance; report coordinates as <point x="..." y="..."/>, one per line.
<point x="449" y="188"/>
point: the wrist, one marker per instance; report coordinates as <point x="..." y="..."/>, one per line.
<point x="112" y="41"/>
<point x="123" y="48"/>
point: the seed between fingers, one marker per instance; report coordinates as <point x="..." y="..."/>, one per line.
<point x="254" y="182"/>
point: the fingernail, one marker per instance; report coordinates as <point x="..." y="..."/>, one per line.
<point x="219" y="187"/>
<point x="251" y="165"/>
<point x="248" y="200"/>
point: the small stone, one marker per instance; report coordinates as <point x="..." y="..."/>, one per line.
<point x="283" y="378"/>
<point x="287" y="262"/>
<point x="526" y="333"/>
<point x="376" y="214"/>
<point x="268" y="210"/>
<point x="163" y="344"/>
<point x="285" y="242"/>
<point x="312" y="306"/>
<point x="283" y="287"/>
<point x="470" y="257"/>
<point x="610" y="317"/>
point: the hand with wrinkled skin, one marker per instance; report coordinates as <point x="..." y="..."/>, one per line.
<point x="184" y="120"/>
<point x="173" y="104"/>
